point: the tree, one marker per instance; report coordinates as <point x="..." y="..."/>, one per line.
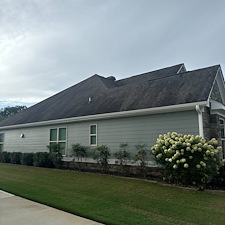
<point x="10" y="111"/>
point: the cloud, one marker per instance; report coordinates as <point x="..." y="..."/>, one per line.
<point x="47" y="46"/>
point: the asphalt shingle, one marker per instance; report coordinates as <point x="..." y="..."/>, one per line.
<point x="154" y="89"/>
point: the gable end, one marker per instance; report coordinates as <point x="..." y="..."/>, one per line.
<point x="221" y="85"/>
<point x="215" y="94"/>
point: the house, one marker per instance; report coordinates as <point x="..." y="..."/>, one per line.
<point x="105" y="111"/>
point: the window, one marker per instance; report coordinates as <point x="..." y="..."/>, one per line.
<point x="93" y="135"/>
<point x="58" y="136"/>
<point x="222" y="134"/>
<point x="1" y="141"/>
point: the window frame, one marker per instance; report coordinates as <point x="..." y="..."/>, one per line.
<point x="2" y="142"/>
<point x="57" y="137"/>
<point x="93" y="135"/>
<point x="222" y="138"/>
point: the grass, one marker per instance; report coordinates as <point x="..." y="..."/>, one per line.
<point x="113" y="200"/>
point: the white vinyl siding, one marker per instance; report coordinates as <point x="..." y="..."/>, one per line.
<point x="110" y="132"/>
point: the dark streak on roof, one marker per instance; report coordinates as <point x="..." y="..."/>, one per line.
<point x="154" y="89"/>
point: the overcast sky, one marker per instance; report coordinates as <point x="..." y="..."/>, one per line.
<point x="49" y="45"/>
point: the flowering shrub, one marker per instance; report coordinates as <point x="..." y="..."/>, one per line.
<point x="187" y="159"/>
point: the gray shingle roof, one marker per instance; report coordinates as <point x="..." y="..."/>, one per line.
<point x="154" y="89"/>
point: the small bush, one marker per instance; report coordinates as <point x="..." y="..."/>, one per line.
<point x="123" y="158"/>
<point x="218" y="182"/>
<point x="187" y="159"/>
<point x="55" y="151"/>
<point x="57" y="160"/>
<point x="5" y="157"/>
<point x="27" y="159"/>
<point x="54" y="148"/>
<point x="43" y="159"/>
<point x="15" y="157"/>
<point x="79" y="152"/>
<point x="141" y="158"/>
<point x="101" y="155"/>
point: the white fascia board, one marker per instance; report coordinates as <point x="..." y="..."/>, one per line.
<point x="139" y="112"/>
<point x="221" y="85"/>
<point x="216" y="78"/>
<point x="219" y="79"/>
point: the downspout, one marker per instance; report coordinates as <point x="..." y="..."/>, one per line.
<point x="200" y="120"/>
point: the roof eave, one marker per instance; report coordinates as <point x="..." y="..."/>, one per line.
<point x="139" y="112"/>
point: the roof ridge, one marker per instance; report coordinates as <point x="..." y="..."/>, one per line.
<point x="183" y="73"/>
<point x="150" y="72"/>
<point x="218" y="65"/>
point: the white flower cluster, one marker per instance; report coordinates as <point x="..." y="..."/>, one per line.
<point x="180" y="150"/>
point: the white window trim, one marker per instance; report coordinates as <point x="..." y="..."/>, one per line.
<point x="222" y="139"/>
<point x="57" y="137"/>
<point x="90" y="135"/>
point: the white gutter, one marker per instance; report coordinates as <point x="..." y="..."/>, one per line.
<point x="200" y="120"/>
<point x="139" y="112"/>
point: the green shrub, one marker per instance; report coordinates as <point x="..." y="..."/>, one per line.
<point x="55" y="150"/>
<point x="141" y="158"/>
<point x="15" y="157"/>
<point x="123" y="158"/>
<point x="218" y="182"/>
<point x="27" y="159"/>
<point x="79" y="151"/>
<point x="5" y="157"/>
<point x="57" y="160"/>
<point x="101" y="155"/>
<point x="43" y="159"/>
<point x="187" y="159"/>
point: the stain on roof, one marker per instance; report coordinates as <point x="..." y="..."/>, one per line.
<point x="154" y="89"/>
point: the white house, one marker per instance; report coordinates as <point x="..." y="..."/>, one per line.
<point x="105" y="111"/>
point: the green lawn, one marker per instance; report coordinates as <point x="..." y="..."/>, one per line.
<point x="113" y="200"/>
